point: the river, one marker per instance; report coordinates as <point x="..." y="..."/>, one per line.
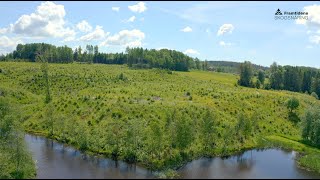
<point x="55" y="160"/>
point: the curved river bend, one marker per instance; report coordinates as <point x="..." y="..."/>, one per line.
<point x="55" y="160"/>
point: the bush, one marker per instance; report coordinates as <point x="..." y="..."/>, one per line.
<point x="292" y="103"/>
<point x="293" y="117"/>
<point x="169" y="72"/>
<point x="267" y="86"/>
<point x="313" y="94"/>
<point x="258" y="84"/>
<point x="122" y="77"/>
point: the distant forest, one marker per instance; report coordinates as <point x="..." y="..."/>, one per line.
<point x="134" y="57"/>
<point x="230" y="67"/>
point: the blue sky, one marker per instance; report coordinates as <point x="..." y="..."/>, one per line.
<point x="234" y="31"/>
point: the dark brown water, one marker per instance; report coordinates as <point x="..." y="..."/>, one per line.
<point x="55" y="160"/>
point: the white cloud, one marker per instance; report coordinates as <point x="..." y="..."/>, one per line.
<point x="224" y="44"/>
<point x="208" y="30"/>
<point x="115" y="9"/>
<point x="186" y="29"/>
<point x="3" y="30"/>
<point x="315" y="39"/>
<point x="139" y="8"/>
<point x="131" y="19"/>
<point x="97" y="34"/>
<point x="313" y="16"/>
<point x="125" y="38"/>
<point x="309" y="47"/>
<point x="226" y="28"/>
<point x="8" y="44"/>
<point x="46" y="21"/>
<point x="84" y="26"/>
<point x="191" y="51"/>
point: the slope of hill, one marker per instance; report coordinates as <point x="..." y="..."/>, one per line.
<point x="158" y="118"/>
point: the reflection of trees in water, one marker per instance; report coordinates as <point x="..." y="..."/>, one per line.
<point x="48" y="150"/>
<point x="245" y="162"/>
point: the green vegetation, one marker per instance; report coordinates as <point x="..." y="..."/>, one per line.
<point x="149" y="116"/>
<point x="291" y="78"/>
<point x="16" y="162"/>
<point x="292" y="105"/>
<point x="133" y="57"/>
<point x="246" y="74"/>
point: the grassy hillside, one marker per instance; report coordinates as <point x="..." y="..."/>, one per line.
<point x="153" y="116"/>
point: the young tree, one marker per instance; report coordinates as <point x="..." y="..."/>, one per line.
<point x="49" y="115"/>
<point x="292" y="104"/>
<point x="276" y="76"/>
<point x="258" y="84"/>
<point x="307" y="124"/>
<point x="243" y="128"/>
<point x="184" y="133"/>
<point x="16" y="162"/>
<point x="311" y="126"/>
<point x="261" y="76"/>
<point x="43" y="59"/>
<point x="245" y="74"/>
<point x="155" y="138"/>
<point x="208" y="129"/>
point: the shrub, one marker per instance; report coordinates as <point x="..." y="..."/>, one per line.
<point x="292" y="103"/>
<point x="122" y="77"/>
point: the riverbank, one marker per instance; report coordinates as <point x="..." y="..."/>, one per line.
<point x="55" y="157"/>
<point x="307" y="158"/>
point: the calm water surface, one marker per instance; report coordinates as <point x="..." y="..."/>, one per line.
<point x="55" y="160"/>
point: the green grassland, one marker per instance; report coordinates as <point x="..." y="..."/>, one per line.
<point x="152" y="116"/>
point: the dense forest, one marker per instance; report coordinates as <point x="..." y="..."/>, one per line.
<point x="291" y="78"/>
<point x="134" y="57"/>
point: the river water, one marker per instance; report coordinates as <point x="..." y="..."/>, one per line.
<point x="55" y="160"/>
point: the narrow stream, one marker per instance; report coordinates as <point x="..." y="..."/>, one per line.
<point x="54" y="160"/>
